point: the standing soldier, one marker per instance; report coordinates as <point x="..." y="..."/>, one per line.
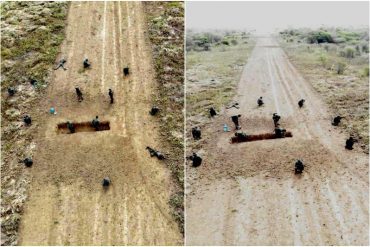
<point x="110" y="95"/>
<point x="299" y="167"/>
<point x="79" y="94"/>
<point x="196" y="132"/>
<point x="126" y="71"/>
<point x="212" y="111"/>
<point x="349" y="143"/>
<point x="235" y="120"/>
<point x="276" y="119"/>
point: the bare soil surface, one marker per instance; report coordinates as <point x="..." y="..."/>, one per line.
<point x="67" y="204"/>
<point x="248" y="194"/>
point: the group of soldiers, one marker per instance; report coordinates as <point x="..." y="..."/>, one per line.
<point x="80" y="96"/>
<point x="87" y="65"/>
<point x="279" y="132"/>
<point x="95" y="123"/>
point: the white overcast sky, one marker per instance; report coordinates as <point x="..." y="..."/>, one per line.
<point x="268" y="16"/>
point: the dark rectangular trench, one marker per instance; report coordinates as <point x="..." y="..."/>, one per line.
<point x="260" y="137"/>
<point x="82" y="127"/>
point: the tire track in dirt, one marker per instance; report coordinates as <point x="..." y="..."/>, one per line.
<point x="304" y="118"/>
<point x="301" y="115"/>
<point x="66" y="199"/>
<point x="273" y="87"/>
<point x="327" y="205"/>
<point x="300" y="123"/>
<point x="142" y="78"/>
<point x="103" y="48"/>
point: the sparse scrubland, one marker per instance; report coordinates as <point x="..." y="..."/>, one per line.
<point x="166" y="33"/>
<point x="30" y="38"/>
<point x="214" y="63"/>
<point x="336" y="62"/>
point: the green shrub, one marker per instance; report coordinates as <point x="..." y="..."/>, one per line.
<point x="234" y="42"/>
<point x="365" y="48"/>
<point x="319" y="37"/>
<point x="358" y="51"/>
<point x="207" y="47"/>
<point x="225" y="42"/>
<point x="365" y="72"/>
<point x="323" y="58"/>
<point x="349" y="52"/>
<point x="5" y="53"/>
<point x="341" y="67"/>
<point x="348" y="36"/>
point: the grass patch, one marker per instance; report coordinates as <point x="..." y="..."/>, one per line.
<point x="213" y="75"/>
<point x="166" y="31"/>
<point x="36" y="50"/>
<point x="31" y="35"/>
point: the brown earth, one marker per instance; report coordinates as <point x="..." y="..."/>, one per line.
<point x="67" y="205"/>
<point x="247" y="193"/>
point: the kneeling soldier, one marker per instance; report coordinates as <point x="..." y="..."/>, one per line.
<point x="299" y="167"/>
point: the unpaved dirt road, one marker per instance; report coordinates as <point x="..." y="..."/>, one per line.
<point x="67" y="205"/>
<point x="247" y="193"/>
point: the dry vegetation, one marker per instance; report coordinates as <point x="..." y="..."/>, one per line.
<point x="336" y="62"/>
<point x="166" y="33"/>
<point x="31" y="33"/>
<point x="214" y="63"/>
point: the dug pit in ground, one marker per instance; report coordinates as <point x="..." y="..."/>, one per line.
<point x="62" y="128"/>
<point x="259" y="137"/>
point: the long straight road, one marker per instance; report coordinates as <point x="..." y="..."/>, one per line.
<point x="67" y="204"/>
<point x="247" y="193"/>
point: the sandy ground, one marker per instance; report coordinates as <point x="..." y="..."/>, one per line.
<point x="247" y="193"/>
<point x="67" y="205"/>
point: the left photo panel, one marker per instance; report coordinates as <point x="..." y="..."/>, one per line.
<point x="92" y="123"/>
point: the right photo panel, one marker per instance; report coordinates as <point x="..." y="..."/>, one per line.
<point x="277" y="135"/>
